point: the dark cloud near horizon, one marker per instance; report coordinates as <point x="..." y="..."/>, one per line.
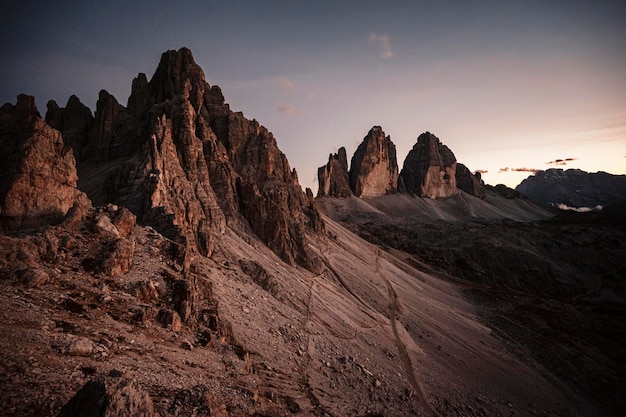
<point x="561" y="162"/>
<point x="507" y="169"/>
<point x="556" y="162"/>
<point x="481" y="171"/>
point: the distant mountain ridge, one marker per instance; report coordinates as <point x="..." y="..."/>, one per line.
<point x="574" y="188"/>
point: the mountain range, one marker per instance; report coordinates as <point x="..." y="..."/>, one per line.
<point x="161" y="258"/>
<point x="574" y="188"/>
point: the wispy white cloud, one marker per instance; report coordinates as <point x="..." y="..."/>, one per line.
<point x="384" y="44"/>
<point x="287" y="109"/>
<point x="286" y="84"/>
<point x="579" y="209"/>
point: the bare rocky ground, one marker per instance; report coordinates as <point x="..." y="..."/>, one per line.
<point x="146" y="330"/>
<point x="551" y="288"/>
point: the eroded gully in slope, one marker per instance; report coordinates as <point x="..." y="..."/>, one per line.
<point x="393" y="311"/>
<point x="404" y="354"/>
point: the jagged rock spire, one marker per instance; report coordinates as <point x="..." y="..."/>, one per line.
<point x="333" y="177"/>
<point x="430" y="168"/>
<point x="470" y="183"/>
<point x="374" y="167"/>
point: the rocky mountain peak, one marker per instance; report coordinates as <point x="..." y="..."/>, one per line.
<point x="139" y="100"/>
<point x="115" y="131"/>
<point x="184" y="163"/>
<point x="178" y="74"/>
<point x="75" y="122"/>
<point x="374" y="167"/>
<point x="470" y="182"/>
<point x="26" y="106"/>
<point x="23" y="110"/>
<point x="333" y="177"/>
<point x="430" y="168"/>
<point x="38" y="173"/>
<point x="409" y="323"/>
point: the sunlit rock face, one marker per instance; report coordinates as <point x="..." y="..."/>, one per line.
<point x="374" y="167"/>
<point x="38" y="175"/>
<point x="333" y="177"/>
<point x="430" y="168"/>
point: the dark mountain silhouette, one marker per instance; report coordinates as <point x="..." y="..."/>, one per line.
<point x="574" y="188"/>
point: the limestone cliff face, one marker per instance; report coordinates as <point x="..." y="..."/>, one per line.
<point x="180" y="159"/>
<point x="252" y="177"/>
<point x="175" y="179"/>
<point x="374" y="167"/>
<point x="430" y="168"/>
<point x="333" y="177"/>
<point x="38" y="171"/>
<point x="468" y="182"/>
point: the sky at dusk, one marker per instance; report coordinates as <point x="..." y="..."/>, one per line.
<point x="508" y="86"/>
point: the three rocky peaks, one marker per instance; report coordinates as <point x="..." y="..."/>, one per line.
<point x="176" y="156"/>
<point x="430" y="170"/>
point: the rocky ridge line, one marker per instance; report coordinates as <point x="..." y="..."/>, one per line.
<point x="183" y="162"/>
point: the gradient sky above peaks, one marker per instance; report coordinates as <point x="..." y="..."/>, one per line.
<point x="508" y="86"/>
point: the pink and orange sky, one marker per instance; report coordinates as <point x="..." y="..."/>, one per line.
<point x="509" y="86"/>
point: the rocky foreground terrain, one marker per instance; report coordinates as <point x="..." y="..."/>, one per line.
<point x="160" y="258"/>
